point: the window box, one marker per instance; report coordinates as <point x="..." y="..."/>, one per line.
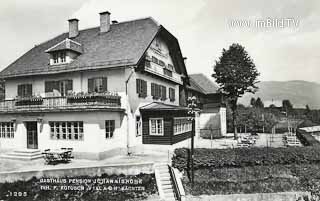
<point x="105" y="98"/>
<point x="29" y="101"/>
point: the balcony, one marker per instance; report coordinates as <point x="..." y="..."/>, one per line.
<point x="75" y="102"/>
<point x="163" y="72"/>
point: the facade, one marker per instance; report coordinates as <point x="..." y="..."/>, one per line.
<point x="212" y="116"/>
<point x="101" y="91"/>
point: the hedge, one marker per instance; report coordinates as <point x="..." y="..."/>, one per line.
<point x="243" y="157"/>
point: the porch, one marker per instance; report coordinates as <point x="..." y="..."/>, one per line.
<point x="165" y="124"/>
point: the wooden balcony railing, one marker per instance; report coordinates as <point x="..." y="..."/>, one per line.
<point x="161" y="71"/>
<point x="88" y="101"/>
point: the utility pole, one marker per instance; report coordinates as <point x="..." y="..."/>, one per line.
<point x="192" y="106"/>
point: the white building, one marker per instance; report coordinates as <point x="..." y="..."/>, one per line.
<point x="97" y="90"/>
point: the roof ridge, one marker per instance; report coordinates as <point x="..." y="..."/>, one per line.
<point x="95" y="27"/>
<point x="126" y="21"/>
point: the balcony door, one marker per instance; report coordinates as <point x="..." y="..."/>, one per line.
<point x="32" y="134"/>
<point x="60" y="88"/>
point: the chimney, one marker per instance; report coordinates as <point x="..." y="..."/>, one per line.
<point x="104" y="22"/>
<point x="73" y="28"/>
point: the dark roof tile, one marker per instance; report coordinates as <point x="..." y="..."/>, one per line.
<point x="201" y="83"/>
<point x="124" y="44"/>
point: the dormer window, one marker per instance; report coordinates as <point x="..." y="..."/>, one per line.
<point x="64" y="52"/>
<point x="59" y="57"/>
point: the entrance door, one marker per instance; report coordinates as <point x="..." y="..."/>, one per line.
<point x="32" y="135"/>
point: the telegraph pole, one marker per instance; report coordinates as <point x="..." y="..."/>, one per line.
<point x="192" y="111"/>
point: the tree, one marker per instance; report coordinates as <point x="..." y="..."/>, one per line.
<point x="253" y="102"/>
<point x="259" y="104"/>
<point x="287" y="106"/>
<point x="236" y="74"/>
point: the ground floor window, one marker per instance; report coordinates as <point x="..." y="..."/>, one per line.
<point x="181" y="125"/>
<point x="6" y="130"/>
<point x="138" y="126"/>
<point x="156" y="126"/>
<point x="110" y="126"/>
<point x="66" y="130"/>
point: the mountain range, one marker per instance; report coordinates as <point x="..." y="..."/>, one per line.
<point x="300" y="93"/>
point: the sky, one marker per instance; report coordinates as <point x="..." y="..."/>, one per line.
<point x="281" y="38"/>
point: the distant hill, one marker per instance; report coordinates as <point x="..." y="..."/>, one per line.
<point x="300" y="93"/>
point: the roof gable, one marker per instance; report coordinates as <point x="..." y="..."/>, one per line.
<point x="123" y="45"/>
<point x="66" y="44"/>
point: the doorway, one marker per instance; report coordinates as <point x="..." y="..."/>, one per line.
<point x="32" y="134"/>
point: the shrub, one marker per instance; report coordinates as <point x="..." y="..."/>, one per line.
<point x="242" y="157"/>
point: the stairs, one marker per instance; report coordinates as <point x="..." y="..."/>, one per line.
<point x="164" y="182"/>
<point x="23" y="154"/>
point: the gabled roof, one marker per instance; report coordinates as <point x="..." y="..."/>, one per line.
<point x="154" y="106"/>
<point x="201" y="83"/>
<point x="66" y="44"/>
<point x="123" y="45"/>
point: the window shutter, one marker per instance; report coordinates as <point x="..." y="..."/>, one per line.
<point x="69" y="86"/>
<point x="172" y="94"/>
<point x="104" y="84"/>
<point x="20" y="90"/>
<point x="90" y="85"/>
<point x="144" y="88"/>
<point x="163" y="93"/>
<point x="28" y="90"/>
<point x="138" y="86"/>
<point x="153" y="88"/>
<point x="158" y="89"/>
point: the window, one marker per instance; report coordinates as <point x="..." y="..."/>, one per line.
<point x="59" y="57"/>
<point x="138" y="126"/>
<point x="55" y="58"/>
<point x="25" y="90"/>
<point x="63" y="57"/>
<point x="141" y="88"/>
<point x="66" y="130"/>
<point x="98" y="85"/>
<point x="110" y="128"/>
<point x="63" y="87"/>
<point x="161" y="63"/>
<point x="154" y="60"/>
<point x="170" y="67"/>
<point x="172" y="95"/>
<point x="156" y="126"/>
<point x="158" y="91"/>
<point x="181" y="125"/>
<point x="6" y="130"/>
